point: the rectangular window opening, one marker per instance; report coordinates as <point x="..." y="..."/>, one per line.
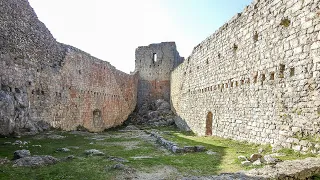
<point x="291" y="72"/>
<point x="255" y="79"/>
<point x="281" y="72"/>
<point x="263" y="77"/>
<point x="154" y="57"/>
<point x="272" y="76"/>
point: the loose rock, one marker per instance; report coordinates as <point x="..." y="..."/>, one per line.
<point x="119" y="166"/>
<point x="255" y="157"/>
<point x="257" y="162"/>
<point x="268" y="159"/>
<point x="63" y="150"/>
<point x="261" y="150"/>
<point x="17" y="142"/>
<point x="209" y="152"/>
<point x="176" y="149"/>
<point x="242" y="158"/>
<point x="246" y="163"/>
<point x="200" y="148"/>
<point x="4" y="161"/>
<point x="188" y="148"/>
<point x="21" y="154"/>
<point x="131" y="128"/>
<point x="35" y="161"/>
<point x="118" y="159"/>
<point x="68" y="158"/>
<point x="55" y="136"/>
<point x="94" y="152"/>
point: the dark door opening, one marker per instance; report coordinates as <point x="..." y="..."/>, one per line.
<point x="209" y="124"/>
<point x="97" y="118"/>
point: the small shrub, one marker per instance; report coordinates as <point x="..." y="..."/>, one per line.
<point x="285" y="22"/>
<point x="235" y="47"/>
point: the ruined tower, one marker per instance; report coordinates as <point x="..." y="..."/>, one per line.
<point x="154" y="64"/>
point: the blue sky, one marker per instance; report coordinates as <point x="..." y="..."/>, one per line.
<point x="111" y="30"/>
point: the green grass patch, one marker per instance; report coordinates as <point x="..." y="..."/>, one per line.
<point x="128" y="145"/>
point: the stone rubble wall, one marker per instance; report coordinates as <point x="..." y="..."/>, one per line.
<point x="259" y="76"/>
<point x="87" y="84"/>
<point x="42" y="80"/>
<point x="172" y="146"/>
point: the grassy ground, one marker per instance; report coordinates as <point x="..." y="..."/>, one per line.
<point x="227" y="150"/>
<point x="127" y="145"/>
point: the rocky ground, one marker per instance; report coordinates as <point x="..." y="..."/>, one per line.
<point x="132" y="153"/>
<point x="157" y="114"/>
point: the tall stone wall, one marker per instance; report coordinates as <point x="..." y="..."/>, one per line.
<point x="257" y="78"/>
<point x="154" y="64"/>
<point x="91" y="93"/>
<point x="45" y="82"/>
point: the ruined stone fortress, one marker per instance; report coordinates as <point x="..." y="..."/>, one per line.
<point x="256" y="79"/>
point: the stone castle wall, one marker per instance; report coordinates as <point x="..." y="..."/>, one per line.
<point x="257" y="78"/>
<point x="88" y="85"/>
<point x="45" y="81"/>
<point x="154" y="64"/>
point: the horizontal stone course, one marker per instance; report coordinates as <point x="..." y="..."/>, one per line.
<point x="45" y="82"/>
<point x="255" y="79"/>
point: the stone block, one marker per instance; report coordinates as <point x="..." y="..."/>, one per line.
<point x="246" y="163"/>
<point x="189" y="149"/>
<point x="296" y="148"/>
<point x="295" y="129"/>
<point x="255" y="157"/>
<point x="242" y="158"/>
<point x="21" y="154"/>
<point x="176" y="149"/>
<point x="304" y="143"/>
<point x="200" y="149"/>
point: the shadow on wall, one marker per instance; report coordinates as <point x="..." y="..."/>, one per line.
<point x="182" y="124"/>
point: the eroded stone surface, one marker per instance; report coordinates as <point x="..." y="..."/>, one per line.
<point x="45" y="83"/>
<point x="21" y="154"/>
<point x="155" y="63"/>
<point x="257" y="78"/>
<point x="32" y="161"/>
<point x="297" y="169"/>
<point x="94" y="152"/>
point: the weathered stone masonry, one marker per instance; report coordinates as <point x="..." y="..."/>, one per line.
<point x="92" y="93"/>
<point x="257" y="78"/>
<point x="45" y="81"/>
<point x="154" y="64"/>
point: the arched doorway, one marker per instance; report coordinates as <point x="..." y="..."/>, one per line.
<point x="97" y="118"/>
<point x="209" y="124"/>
